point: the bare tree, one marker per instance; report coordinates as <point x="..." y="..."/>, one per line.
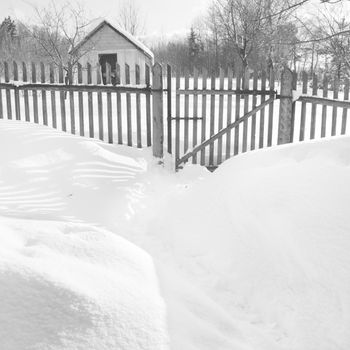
<point x="58" y="32"/>
<point x="130" y="18"/>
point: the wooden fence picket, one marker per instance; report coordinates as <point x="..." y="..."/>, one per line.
<point x="71" y="100"/>
<point x="8" y="92"/>
<point x="81" y="102"/>
<point x="229" y="112"/>
<point x="303" y="108"/>
<point x="335" y="109"/>
<point x="99" y="104"/>
<point x="345" y="110"/>
<point x="237" y="112"/>
<point x="271" y="105"/>
<point x="204" y="114"/>
<point x="109" y="104"/>
<point x="313" y="108"/>
<point x="186" y="113"/>
<point x="35" y="95"/>
<point x="43" y="94"/>
<point x="221" y="115"/>
<point x="17" y="103"/>
<point x="53" y="97"/>
<point x="128" y="106"/>
<point x="138" y="108"/>
<point x="262" y="112"/>
<point x="62" y="100"/>
<point x="324" y="107"/>
<point x="148" y="106"/>
<point x="246" y="79"/>
<point x="195" y="113"/>
<point x="212" y="119"/>
<point x="119" y="107"/>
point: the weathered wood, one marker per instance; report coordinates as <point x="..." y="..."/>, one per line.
<point x="212" y="120"/>
<point x="345" y="111"/>
<point x="246" y="79"/>
<point x="335" y="111"/>
<point x="285" y="117"/>
<point x="229" y="113"/>
<point x="25" y="93"/>
<point x="109" y="104"/>
<point x="223" y="91"/>
<point x="253" y="129"/>
<point x="35" y="95"/>
<point x="313" y="108"/>
<point x="177" y="122"/>
<point x="138" y="108"/>
<point x="169" y="109"/>
<point x="204" y="113"/>
<point x="270" y="124"/>
<point x="17" y="103"/>
<point x="53" y="97"/>
<point x="195" y="114"/>
<point x="77" y="88"/>
<point x="81" y="102"/>
<point x="224" y="130"/>
<point x="237" y="112"/>
<point x="186" y="113"/>
<point x="119" y="107"/>
<point x="221" y="116"/>
<point x="8" y="94"/>
<point x="148" y="106"/>
<point x="324" y="107"/>
<point x="325" y="101"/>
<point x="43" y="94"/>
<point x="128" y="106"/>
<point x="1" y="105"/>
<point x="303" y="108"/>
<point x="62" y="100"/>
<point x="294" y="86"/>
<point x="71" y="100"/>
<point x="157" y="97"/>
<point x="262" y="112"/>
<point x="99" y="104"/>
<point x="90" y="103"/>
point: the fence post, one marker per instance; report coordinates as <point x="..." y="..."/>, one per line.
<point x="157" y="99"/>
<point x="285" y="131"/>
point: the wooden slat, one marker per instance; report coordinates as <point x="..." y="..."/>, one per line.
<point x="35" y="95"/>
<point x="169" y="109"/>
<point x="1" y="105"/>
<point x="246" y="79"/>
<point x="53" y="97"/>
<point x="345" y="111"/>
<point x="303" y="108"/>
<point x="138" y="108"/>
<point x="237" y="112"/>
<point x="99" y="104"/>
<point x="186" y="113"/>
<point x="221" y="116"/>
<point x="25" y="93"/>
<point x="177" y="121"/>
<point x="212" y="120"/>
<point x="195" y="114"/>
<point x="223" y="91"/>
<point x="17" y="103"/>
<point x="313" y="108"/>
<point x="324" y="107"/>
<point x="204" y="114"/>
<point x="270" y="124"/>
<point x="71" y="100"/>
<point x="229" y="113"/>
<point x="8" y="93"/>
<point x="128" y="106"/>
<point x="148" y="107"/>
<point x="253" y="129"/>
<point x="43" y="94"/>
<point x="109" y="104"/>
<point x="294" y="86"/>
<point x="81" y="102"/>
<point x="62" y="100"/>
<point x="119" y="108"/>
<point x="90" y="103"/>
<point x="262" y="112"/>
<point x="335" y="110"/>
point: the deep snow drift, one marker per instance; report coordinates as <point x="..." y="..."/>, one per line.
<point x="253" y="256"/>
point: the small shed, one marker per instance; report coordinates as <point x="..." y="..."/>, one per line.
<point x="109" y="43"/>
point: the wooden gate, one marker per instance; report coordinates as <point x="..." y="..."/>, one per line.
<point x="217" y="118"/>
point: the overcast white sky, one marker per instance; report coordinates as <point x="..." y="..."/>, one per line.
<point x="161" y="16"/>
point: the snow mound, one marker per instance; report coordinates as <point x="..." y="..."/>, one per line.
<point x="267" y="237"/>
<point x="70" y="286"/>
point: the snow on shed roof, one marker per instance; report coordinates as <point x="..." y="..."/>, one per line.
<point x="139" y="45"/>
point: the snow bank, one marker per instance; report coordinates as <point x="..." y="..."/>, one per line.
<point x="70" y="286"/>
<point x="267" y="237"/>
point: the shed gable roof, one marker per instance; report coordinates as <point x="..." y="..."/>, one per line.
<point x="127" y="36"/>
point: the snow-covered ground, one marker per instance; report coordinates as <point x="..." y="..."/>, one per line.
<point x="101" y="248"/>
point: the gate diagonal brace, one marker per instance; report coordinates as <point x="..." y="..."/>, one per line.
<point x="222" y="132"/>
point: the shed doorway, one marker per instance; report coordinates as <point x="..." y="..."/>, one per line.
<point x="112" y="60"/>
